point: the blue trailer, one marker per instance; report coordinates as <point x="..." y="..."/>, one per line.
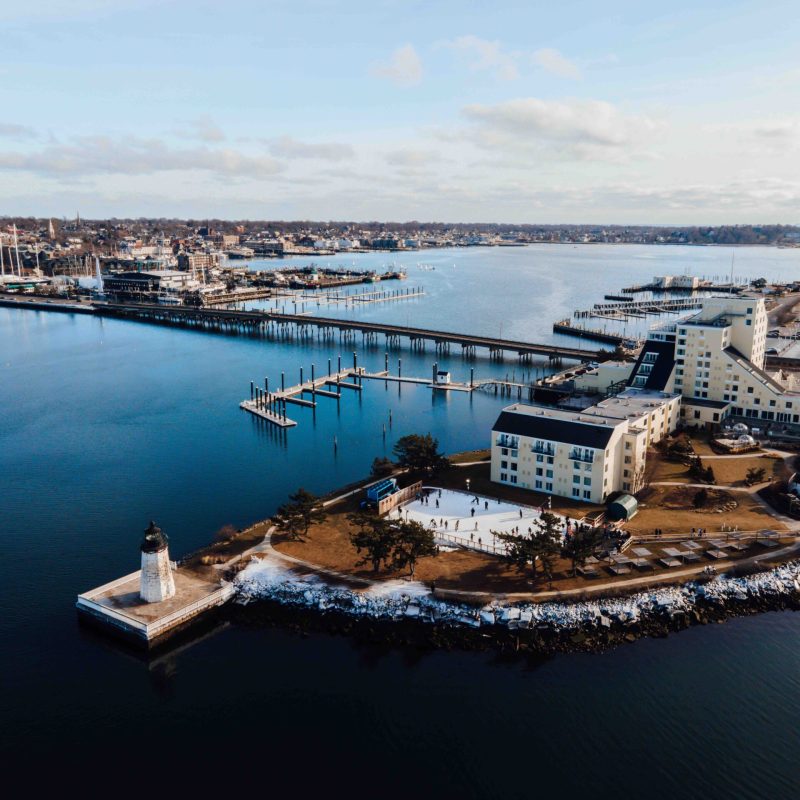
<point x="382" y="489"/>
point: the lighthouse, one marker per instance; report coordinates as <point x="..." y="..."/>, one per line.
<point x="157" y="583"/>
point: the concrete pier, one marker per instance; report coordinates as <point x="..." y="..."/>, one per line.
<point x="118" y="606"/>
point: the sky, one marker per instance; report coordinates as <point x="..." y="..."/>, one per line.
<point x="519" y="112"/>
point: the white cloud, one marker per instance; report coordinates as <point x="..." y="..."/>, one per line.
<point x="10" y="130"/>
<point x="764" y="136"/>
<point x="409" y="157"/>
<point x="551" y="60"/>
<point x="96" y="155"/>
<point x="404" y="68"/>
<point x="289" y="147"/>
<point x="203" y="129"/>
<point x="581" y="128"/>
<point x="486" y="56"/>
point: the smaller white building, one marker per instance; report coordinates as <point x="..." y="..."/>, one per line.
<point x="583" y="455"/>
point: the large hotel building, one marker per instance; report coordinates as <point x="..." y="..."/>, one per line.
<point x="700" y="370"/>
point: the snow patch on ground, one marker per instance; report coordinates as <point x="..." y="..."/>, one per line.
<point x="268" y="580"/>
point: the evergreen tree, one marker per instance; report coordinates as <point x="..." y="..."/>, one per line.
<point x="413" y="542"/>
<point x="303" y="510"/>
<point x="420" y="453"/>
<point x="375" y="536"/>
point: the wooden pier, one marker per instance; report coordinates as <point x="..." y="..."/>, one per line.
<point x="301" y="326"/>
<point x="633" y="308"/>
<point x="271" y="405"/>
<point x="567" y="327"/>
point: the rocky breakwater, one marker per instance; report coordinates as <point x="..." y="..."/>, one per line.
<point x="405" y="612"/>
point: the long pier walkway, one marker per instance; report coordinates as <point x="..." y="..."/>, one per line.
<point x="265" y="322"/>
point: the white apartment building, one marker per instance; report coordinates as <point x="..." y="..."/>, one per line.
<point x="583" y="455"/>
<point x="715" y="360"/>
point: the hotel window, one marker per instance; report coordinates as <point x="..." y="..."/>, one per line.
<point x="772" y="403"/>
<point x="539" y="471"/>
<point x="576" y="478"/>
<point x="587" y="481"/>
<point x="504" y="451"/>
<point x="503" y="476"/>
<point x="548" y="487"/>
<point x="504" y="465"/>
<point x="549" y="459"/>
<point x="587" y="495"/>
<point x="540" y="459"/>
<point x="513" y="479"/>
<point x="576" y="492"/>
<point x="549" y="473"/>
<point x="538" y="484"/>
<point x="513" y="466"/>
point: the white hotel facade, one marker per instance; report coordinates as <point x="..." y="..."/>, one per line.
<point x="699" y="370"/>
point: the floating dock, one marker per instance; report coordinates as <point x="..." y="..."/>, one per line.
<point x="271" y="405"/>
<point x="117" y="606"/>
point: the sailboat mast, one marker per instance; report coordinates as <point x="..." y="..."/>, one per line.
<point x="16" y="248"/>
<point x="2" y="259"/>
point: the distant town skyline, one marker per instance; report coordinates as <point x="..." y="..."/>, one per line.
<point x="510" y="113"/>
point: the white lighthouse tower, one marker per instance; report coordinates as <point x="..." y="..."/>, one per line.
<point x="157" y="583"/>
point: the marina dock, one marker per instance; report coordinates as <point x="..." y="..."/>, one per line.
<point x="640" y="308"/>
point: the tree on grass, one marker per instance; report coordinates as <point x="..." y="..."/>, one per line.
<point x="382" y="467"/>
<point x="413" y="541"/>
<point x="301" y="512"/>
<point x="419" y="452"/>
<point x="541" y="548"/>
<point x="578" y="547"/>
<point x="375" y="536"/>
<point x="755" y="475"/>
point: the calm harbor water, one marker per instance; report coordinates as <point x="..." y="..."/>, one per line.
<point x="106" y="424"/>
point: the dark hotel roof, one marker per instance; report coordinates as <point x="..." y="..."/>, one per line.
<point x="581" y="434"/>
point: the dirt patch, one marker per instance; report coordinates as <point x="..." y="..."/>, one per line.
<point x="749" y="515"/>
<point x="680" y="498"/>
<point x="733" y="471"/>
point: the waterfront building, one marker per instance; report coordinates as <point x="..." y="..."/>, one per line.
<point x="196" y="262"/>
<point x="156" y="582"/>
<point x="715" y="360"/>
<point x="583" y="455"/>
<point x="151" y="281"/>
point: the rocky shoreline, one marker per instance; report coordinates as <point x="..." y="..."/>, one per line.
<point x="406" y="613"/>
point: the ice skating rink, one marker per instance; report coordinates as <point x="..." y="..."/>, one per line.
<point x="458" y="519"/>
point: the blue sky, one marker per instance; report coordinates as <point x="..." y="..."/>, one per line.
<point x="623" y="112"/>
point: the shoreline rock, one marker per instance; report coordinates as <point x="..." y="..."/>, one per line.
<point x="403" y="613"/>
